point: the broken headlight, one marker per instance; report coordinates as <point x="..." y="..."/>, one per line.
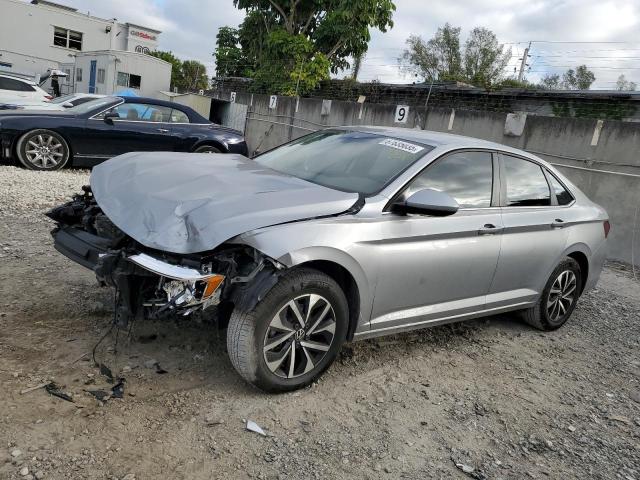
<point x="185" y="287"/>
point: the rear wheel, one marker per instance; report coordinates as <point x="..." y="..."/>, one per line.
<point x="206" y="149"/>
<point x="292" y="335"/>
<point x="558" y="299"/>
<point x="42" y="150"/>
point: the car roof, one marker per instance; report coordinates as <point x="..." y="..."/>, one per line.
<point x="429" y="137"/>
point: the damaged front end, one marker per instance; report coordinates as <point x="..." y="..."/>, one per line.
<point x="151" y="283"/>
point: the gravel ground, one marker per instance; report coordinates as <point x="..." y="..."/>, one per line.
<point x="483" y="399"/>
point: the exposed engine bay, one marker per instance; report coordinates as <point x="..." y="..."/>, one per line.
<point x="150" y="283"/>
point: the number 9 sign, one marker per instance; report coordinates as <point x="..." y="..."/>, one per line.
<point x="402" y="112"/>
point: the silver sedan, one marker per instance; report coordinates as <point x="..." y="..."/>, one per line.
<point x="340" y="235"/>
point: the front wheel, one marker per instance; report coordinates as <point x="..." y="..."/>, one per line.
<point x="42" y="150"/>
<point x="558" y="299"/>
<point x="206" y="149"/>
<point x="292" y="335"/>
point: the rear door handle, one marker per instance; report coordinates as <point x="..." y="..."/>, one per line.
<point x="162" y="130"/>
<point x="558" y="223"/>
<point x="489" y="229"/>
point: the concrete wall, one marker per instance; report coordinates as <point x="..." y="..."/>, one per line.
<point x="606" y="166"/>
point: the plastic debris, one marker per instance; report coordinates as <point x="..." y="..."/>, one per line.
<point x="100" y="395"/>
<point x="118" y="389"/>
<point x="254" y="427"/>
<point x="55" y="390"/>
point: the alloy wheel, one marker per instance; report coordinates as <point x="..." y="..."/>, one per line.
<point x="44" y="151"/>
<point x="561" y="295"/>
<point x="299" y="336"/>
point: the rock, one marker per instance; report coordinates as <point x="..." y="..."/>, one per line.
<point x="571" y="428"/>
<point x="16" y="452"/>
<point x="39" y="475"/>
<point x="635" y="396"/>
<point x="465" y="468"/>
<point x="129" y="476"/>
<point x="24" y="471"/>
<point x="151" y="363"/>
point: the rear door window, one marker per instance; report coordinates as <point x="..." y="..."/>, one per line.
<point x="526" y="184"/>
<point x="562" y="195"/>
<point x="178" y="116"/>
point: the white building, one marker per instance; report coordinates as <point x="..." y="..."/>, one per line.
<point x="108" y="71"/>
<point x="42" y="35"/>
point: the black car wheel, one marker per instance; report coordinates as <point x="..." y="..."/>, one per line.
<point x="42" y="150"/>
<point x="292" y="335"/>
<point x="558" y="299"/>
<point x="206" y="149"/>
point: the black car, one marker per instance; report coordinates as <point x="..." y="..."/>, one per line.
<point x="95" y="131"/>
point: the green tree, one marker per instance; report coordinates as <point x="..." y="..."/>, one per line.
<point x="230" y="59"/>
<point x="294" y="44"/>
<point x="481" y="62"/>
<point x="550" y="82"/>
<point x="195" y="75"/>
<point x="436" y="59"/>
<point x="177" y="79"/>
<point x="484" y="58"/>
<point x="579" y="79"/>
<point x="624" y="85"/>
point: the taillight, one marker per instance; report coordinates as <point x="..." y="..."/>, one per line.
<point x="48" y="97"/>
<point x="607" y="227"/>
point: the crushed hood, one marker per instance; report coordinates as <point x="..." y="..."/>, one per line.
<point x="188" y="203"/>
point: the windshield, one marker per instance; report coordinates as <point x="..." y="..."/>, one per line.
<point x="92" y="105"/>
<point x="345" y="160"/>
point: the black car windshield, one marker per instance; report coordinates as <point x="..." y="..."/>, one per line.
<point x="349" y="161"/>
<point x="96" y="104"/>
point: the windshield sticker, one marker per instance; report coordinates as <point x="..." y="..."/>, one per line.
<point x="400" y="145"/>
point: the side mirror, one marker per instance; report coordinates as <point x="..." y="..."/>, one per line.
<point x="67" y="105"/>
<point x="110" y="116"/>
<point x="428" y="202"/>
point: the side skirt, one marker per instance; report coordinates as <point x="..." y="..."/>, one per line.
<point x="363" y="335"/>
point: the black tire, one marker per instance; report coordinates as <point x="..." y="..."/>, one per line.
<point x="540" y="316"/>
<point x="35" y="139"/>
<point x="249" y="330"/>
<point x="207" y="149"/>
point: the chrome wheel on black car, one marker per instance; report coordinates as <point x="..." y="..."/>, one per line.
<point x="42" y="150"/>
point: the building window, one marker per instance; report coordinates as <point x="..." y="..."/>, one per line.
<point x="67" y="79"/>
<point x="129" y="80"/>
<point x="63" y="37"/>
<point x="135" y="81"/>
<point x="78" y="74"/>
<point x="101" y="75"/>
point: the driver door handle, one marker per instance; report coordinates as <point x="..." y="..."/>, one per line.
<point x="162" y="130"/>
<point x="489" y="229"/>
<point x="558" y="223"/>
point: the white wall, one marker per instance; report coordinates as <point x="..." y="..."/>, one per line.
<point x="155" y="73"/>
<point x="26" y="35"/>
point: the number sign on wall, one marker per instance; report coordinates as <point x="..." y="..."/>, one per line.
<point x="402" y="112"/>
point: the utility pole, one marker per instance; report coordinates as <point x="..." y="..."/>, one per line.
<point x="523" y="64"/>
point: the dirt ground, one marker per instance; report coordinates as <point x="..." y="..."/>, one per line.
<point x="490" y="398"/>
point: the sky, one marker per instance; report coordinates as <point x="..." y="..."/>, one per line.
<point x="604" y="35"/>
